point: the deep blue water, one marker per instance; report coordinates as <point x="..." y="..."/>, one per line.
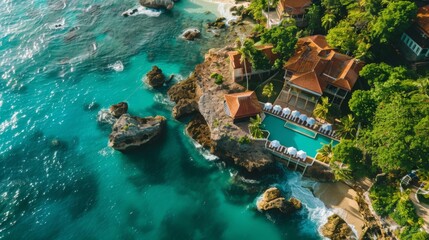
<point x="59" y="180"/>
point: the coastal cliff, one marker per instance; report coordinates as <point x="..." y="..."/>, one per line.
<point x="200" y="94"/>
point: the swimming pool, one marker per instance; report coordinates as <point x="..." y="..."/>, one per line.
<point x="293" y="138"/>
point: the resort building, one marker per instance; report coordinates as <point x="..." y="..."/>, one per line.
<point x="242" y="106"/>
<point x="240" y="69"/>
<point x="294" y="9"/>
<point x="317" y="70"/>
<point x="415" y="41"/>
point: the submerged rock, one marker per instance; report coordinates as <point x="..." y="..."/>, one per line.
<point x="91" y="106"/>
<point x="191" y="33"/>
<point x="336" y="228"/>
<point x="118" y="109"/>
<point x="155" y="77"/>
<point x="131" y="132"/>
<point x="157" y="4"/>
<point x="272" y="200"/>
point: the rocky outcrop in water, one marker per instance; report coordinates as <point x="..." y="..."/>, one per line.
<point x="336" y="229"/>
<point x="191" y="33"/>
<point x="273" y="200"/>
<point x="131" y="132"/>
<point x="219" y="23"/>
<point x="226" y="137"/>
<point x="184" y="95"/>
<point x="155" y="77"/>
<point x="157" y="4"/>
<point x="198" y="129"/>
<point x="118" y="109"/>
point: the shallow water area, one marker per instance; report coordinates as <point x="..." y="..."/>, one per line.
<point x="59" y="65"/>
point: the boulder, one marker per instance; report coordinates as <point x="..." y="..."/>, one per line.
<point x="198" y="130"/>
<point x="157" y="4"/>
<point x="104" y="116"/>
<point x="191" y="33"/>
<point x="183" y="89"/>
<point x="218" y="24"/>
<point x="118" y="109"/>
<point x="130" y="132"/>
<point x="273" y="200"/>
<point x="155" y="77"/>
<point x="296" y="203"/>
<point x="184" y="107"/>
<point x="336" y="229"/>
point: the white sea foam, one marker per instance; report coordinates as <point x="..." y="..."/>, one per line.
<point x="142" y="11"/>
<point x="163" y="99"/>
<point x="117" y="66"/>
<point x="318" y="213"/>
<point x="10" y="123"/>
<point x="204" y="152"/>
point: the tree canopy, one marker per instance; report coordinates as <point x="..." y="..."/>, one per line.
<point x="283" y="39"/>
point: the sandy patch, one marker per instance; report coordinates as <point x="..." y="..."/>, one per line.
<point x="341" y="198"/>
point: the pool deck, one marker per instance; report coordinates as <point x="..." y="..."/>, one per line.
<point x="281" y="151"/>
<point x="288" y="118"/>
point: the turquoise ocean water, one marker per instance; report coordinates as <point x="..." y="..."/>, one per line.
<point x="59" y="180"/>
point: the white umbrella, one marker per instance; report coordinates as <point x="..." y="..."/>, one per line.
<point x="291" y="151"/>
<point x="302" y="117"/>
<point x="311" y="121"/>
<point x="275" y="143"/>
<point x="327" y="127"/>
<point x="295" y="113"/>
<point x="268" y="105"/>
<point x="301" y="154"/>
<point x="277" y="108"/>
<point x="286" y="111"/>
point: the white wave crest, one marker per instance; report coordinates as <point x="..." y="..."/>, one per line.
<point x="204" y="152"/>
<point x="142" y="11"/>
<point x="12" y="122"/>
<point x="117" y="66"/>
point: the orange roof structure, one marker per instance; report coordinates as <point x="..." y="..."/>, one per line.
<point x="235" y="56"/>
<point x="315" y="65"/>
<point x="241" y="105"/>
<point x="423" y="19"/>
<point x="295" y="7"/>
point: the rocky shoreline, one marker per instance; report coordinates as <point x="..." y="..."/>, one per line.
<point x="201" y="95"/>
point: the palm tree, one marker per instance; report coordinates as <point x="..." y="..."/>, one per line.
<point x="341" y="172"/>
<point x="324" y="154"/>
<point x="255" y="127"/>
<point x="328" y="21"/>
<point x="322" y="109"/>
<point x="246" y="54"/>
<point x="268" y="90"/>
<point x="347" y="129"/>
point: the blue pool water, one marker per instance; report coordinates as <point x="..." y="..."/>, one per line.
<point x="59" y="180"/>
<point x="292" y="138"/>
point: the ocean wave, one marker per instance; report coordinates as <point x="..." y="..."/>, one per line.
<point x="204" y="152"/>
<point x="117" y="66"/>
<point x="12" y="122"/>
<point x="318" y="213"/>
<point x="142" y="11"/>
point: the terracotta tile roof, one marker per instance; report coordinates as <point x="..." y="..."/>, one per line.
<point x="296" y="7"/>
<point x="315" y="65"/>
<point x="423" y="18"/>
<point x="244" y="104"/>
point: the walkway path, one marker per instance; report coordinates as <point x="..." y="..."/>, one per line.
<point x="421" y="209"/>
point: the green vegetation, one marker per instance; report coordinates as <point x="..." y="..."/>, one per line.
<point x="284" y="41"/>
<point x="322" y="108"/>
<point x="386" y="128"/>
<point x="360" y="28"/>
<point x="249" y="53"/>
<point x="217" y="77"/>
<point x="244" y="140"/>
<point x="255" y="127"/>
<point x="268" y="90"/>
<point x="324" y="154"/>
